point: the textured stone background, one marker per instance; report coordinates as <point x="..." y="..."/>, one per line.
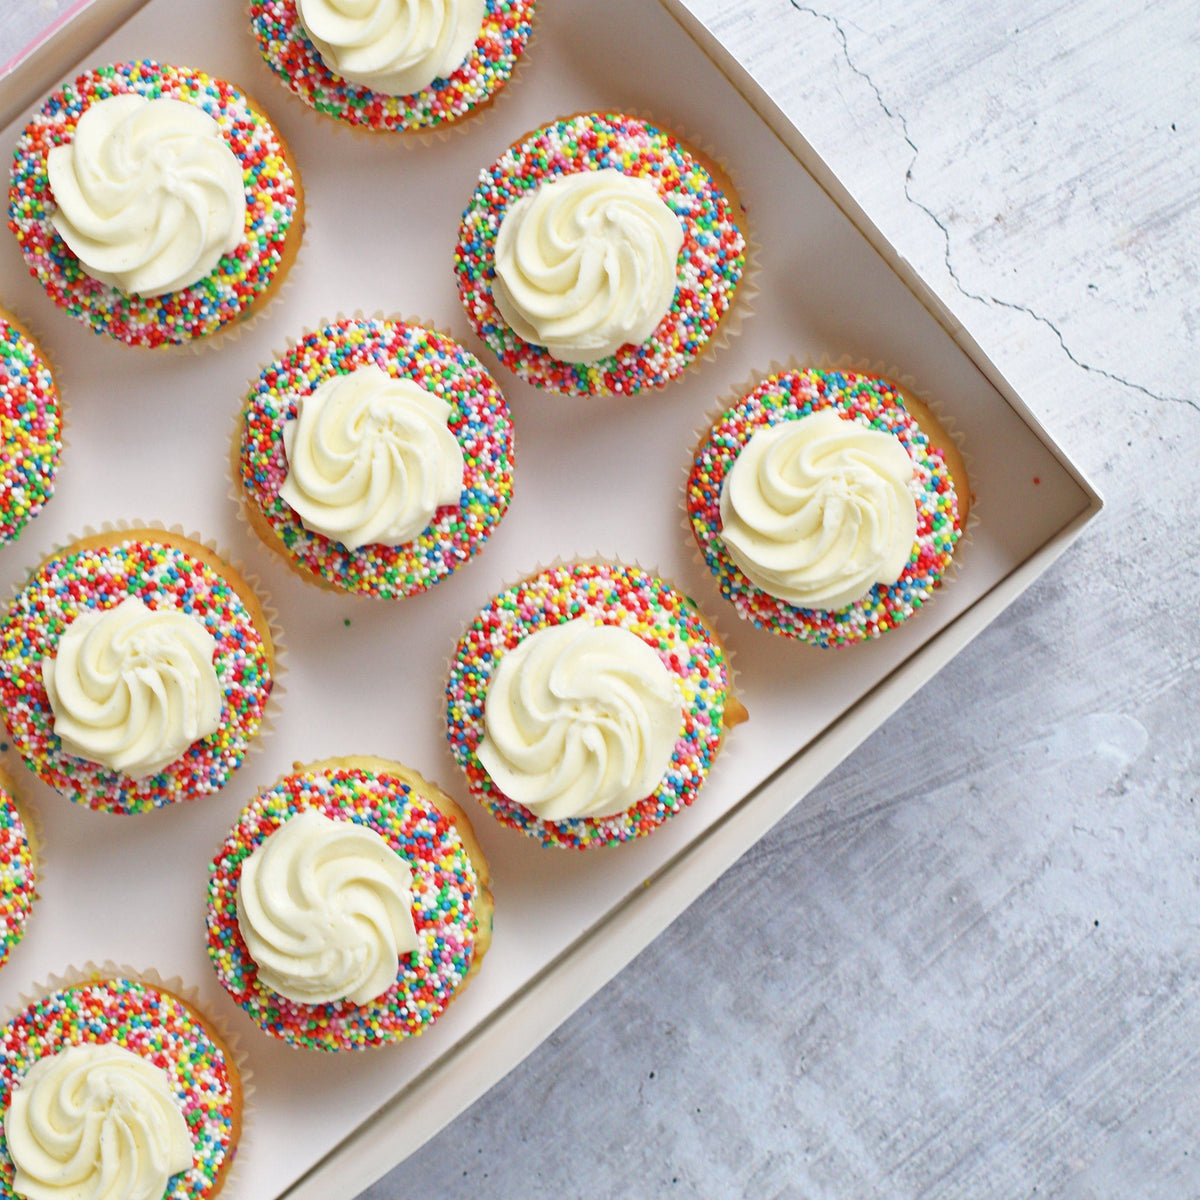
<point x="967" y="966"/>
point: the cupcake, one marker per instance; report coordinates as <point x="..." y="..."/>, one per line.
<point x="155" y="203"/>
<point x="375" y="456"/>
<point x="115" y="1087"/>
<point x="348" y="905"/>
<point x="30" y="428"/>
<point x="18" y="885"/>
<point x="135" y="669"/>
<point x="382" y="66"/>
<point x="828" y="505"/>
<point x="600" y="255"/>
<point x="587" y="704"/>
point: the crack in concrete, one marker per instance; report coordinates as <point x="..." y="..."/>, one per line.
<point x="893" y="115"/>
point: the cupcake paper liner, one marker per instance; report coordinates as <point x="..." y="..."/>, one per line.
<point x="420" y="137"/>
<point x="845" y="363"/>
<point x="90" y="972"/>
<point x="238" y="496"/>
<point x="641" y="818"/>
<point x="270" y="711"/>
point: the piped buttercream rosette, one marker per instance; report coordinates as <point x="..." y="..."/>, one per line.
<point x="587" y="703"/>
<point x="824" y="507"/>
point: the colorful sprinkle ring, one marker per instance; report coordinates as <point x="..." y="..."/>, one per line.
<point x="30" y="429"/>
<point x="242" y="281"/>
<point x="17" y="874"/>
<point x="164" y="571"/>
<point x="710" y="266"/>
<point x="604" y="594"/>
<point x="289" y="52"/>
<point x="479" y="421"/>
<point x="452" y="907"/>
<point x="161" y="1028"/>
<point x="873" y="402"/>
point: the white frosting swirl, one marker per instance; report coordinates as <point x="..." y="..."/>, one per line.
<point x="818" y="510"/>
<point x="370" y="459"/>
<point x="587" y="264"/>
<point x="395" y="47"/>
<point x="95" y="1122"/>
<point x="580" y="721"/>
<point x="149" y="194"/>
<point x="325" y="908"/>
<point x="132" y="687"/>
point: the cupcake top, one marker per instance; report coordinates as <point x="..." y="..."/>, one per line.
<point x="822" y="507"/>
<point x="348" y="905"/>
<point x="587" y="703"/>
<point x="17" y="873"/>
<point x="393" y="65"/>
<point x="134" y="669"/>
<point x="153" y="202"/>
<point x="376" y="456"/>
<point x="598" y="255"/>
<point x="30" y="429"/>
<point x="115" y="1088"/>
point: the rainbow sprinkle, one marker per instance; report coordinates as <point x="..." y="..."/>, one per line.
<point x="291" y="55"/>
<point x="160" y="1028"/>
<point x="162" y="576"/>
<point x="272" y="202"/>
<point x="479" y="420"/>
<point x="711" y="260"/>
<point x="663" y="618"/>
<point x="445" y="888"/>
<point x="876" y="403"/>
<point x="17" y="876"/>
<point x="30" y="431"/>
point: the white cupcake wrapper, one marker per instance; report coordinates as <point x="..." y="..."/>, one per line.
<point x="91" y="972"/>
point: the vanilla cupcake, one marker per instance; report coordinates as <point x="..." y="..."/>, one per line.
<point x="155" y="203"/>
<point x="587" y="704"/>
<point x="374" y="456"/>
<point x="384" y="66"/>
<point x="18" y="871"/>
<point x="135" y="670"/>
<point x="600" y="255"/>
<point x="828" y="505"/>
<point x="348" y="905"/>
<point x="30" y="428"/>
<point x="114" y="1087"/>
